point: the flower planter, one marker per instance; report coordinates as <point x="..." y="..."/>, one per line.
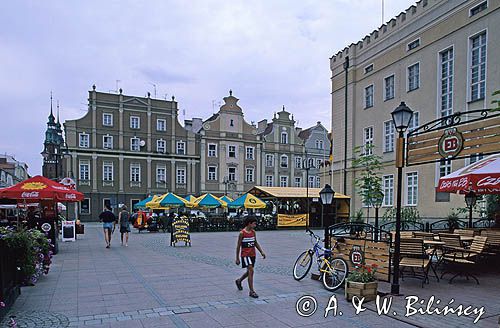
<point x="367" y="290"/>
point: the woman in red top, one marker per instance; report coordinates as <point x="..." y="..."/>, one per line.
<point x="247" y="242"/>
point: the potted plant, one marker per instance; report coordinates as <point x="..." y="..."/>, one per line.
<point x="362" y="283"/>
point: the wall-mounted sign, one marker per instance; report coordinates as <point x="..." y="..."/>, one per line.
<point x="46" y="227"/>
<point x="356" y="255"/>
<point x="451" y="143"/>
<point x="180" y="231"/>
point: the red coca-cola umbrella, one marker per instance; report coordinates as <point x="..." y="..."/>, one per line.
<point x="40" y="188"/>
<point x="481" y="177"/>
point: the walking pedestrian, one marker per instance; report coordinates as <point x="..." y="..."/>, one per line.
<point x="247" y="242"/>
<point x="124" y="223"/>
<point x="108" y="220"/>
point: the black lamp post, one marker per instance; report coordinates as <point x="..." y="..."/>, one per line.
<point x="470" y="200"/>
<point x="378" y="198"/>
<point x="401" y="118"/>
<point x="327" y="196"/>
<point x="306" y="165"/>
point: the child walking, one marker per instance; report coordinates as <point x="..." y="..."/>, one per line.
<point x="247" y="242"/>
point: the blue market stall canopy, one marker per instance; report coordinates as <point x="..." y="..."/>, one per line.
<point x="209" y="201"/>
<point x="142" y="203"/>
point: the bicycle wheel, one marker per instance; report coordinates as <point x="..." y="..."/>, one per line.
<point x="302" y="265"/>
<point x="334" y="273"/>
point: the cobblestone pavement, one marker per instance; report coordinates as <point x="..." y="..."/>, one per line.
<point x="150" y="284"/>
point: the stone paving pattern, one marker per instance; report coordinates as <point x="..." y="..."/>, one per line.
<point x="150" y="284"/>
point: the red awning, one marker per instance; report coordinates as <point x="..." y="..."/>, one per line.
<point x="482" y="177"/>
<point x="40" y="188"/>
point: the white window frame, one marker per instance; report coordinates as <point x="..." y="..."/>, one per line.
<point x="212" y="152"/>
<point x="81" y="164"/>
<point x="470" y="67"/>
<point x="389" y="136"/>
<point x="410" y="87"/>
<point x="269" y="181"/>
<point x="158" y="127"/>
<point x="407" y="189"/>
<point x="369" y="140"/>
<point x="388" y="190"/>
<point x="284" y="140"/>
<point x="132" y="146"/>
<point x="180" y="176"/>
<point x="135" y="172"/>
<point x="319" y="144"/>
<point x="161" y="146"/>
<point x="443" y="165"/>
<point x="229" y="174"/>
<point x="318" y="162"/>
<point x="87" y="139"/>
<point x="104" y="121"/>
<point x="283" y="181"/>
<point x="249" y="174"/>
<point x="104" y="173"/>
<point x="235" y="151"/>
<point x="269" y="160"/>
<point x="298" y="162"/>
<point x="448" y="79"/>
<point x="416" y="41"/>
<point x="180" y="148"/>
<point x="212" y="176"/>
<point x="282" y="162"/>
<point x="109" y="144"/>
<point x="386" y="87"/>
<point x="477" y="6"/>
<point x="318" y="182"/>
<point x="412" y="126"/>
<point x="252" y="153"/>
<point x="159" y="174"/>
<point x="298" y="182"/>
<point x="312" y="180"/>
<point x="369" y="96"/>
<point x="132" y="118"/>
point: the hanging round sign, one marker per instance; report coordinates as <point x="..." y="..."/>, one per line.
<point x="451" y="143"/>
<point x="46" y="227"/>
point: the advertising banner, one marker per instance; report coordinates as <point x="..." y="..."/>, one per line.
<point x="293" y="220"/>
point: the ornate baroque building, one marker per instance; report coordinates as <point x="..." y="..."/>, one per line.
<point x="127" y="147"/>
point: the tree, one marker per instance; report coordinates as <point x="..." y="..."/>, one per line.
<point x="368" y="183"/>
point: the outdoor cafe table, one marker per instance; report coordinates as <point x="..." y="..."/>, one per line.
<point x="434" y="244"/>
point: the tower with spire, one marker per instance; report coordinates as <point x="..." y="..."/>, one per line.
<point x="52" y="155"/>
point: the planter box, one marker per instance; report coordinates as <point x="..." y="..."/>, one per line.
<point x="367" y="290"/>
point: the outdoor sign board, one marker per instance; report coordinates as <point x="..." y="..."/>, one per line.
<point x="459" y="135"/>
<point x="180" y="231"/>
<point x="68" y="231"/>
<point x="292" y="220"/>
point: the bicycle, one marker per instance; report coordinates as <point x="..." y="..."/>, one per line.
<point x="333" y="270"/>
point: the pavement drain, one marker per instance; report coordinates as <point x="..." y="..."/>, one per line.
<point x="38" y="319"/>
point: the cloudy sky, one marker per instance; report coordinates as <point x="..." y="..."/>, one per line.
<point x="269" y="52"/>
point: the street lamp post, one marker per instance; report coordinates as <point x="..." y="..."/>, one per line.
<point x="401" y="118"/>
<point x="470" y="200"/>
<point x="326" y="195"/>
<point x="377" y="202"/>
<point x="307" y="166"/>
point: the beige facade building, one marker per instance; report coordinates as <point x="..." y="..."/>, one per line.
<point x="230" y="151"/>
<point x="440" y="57"/>
<point x="127" y="147"/>
<point x="283" y="154"/>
